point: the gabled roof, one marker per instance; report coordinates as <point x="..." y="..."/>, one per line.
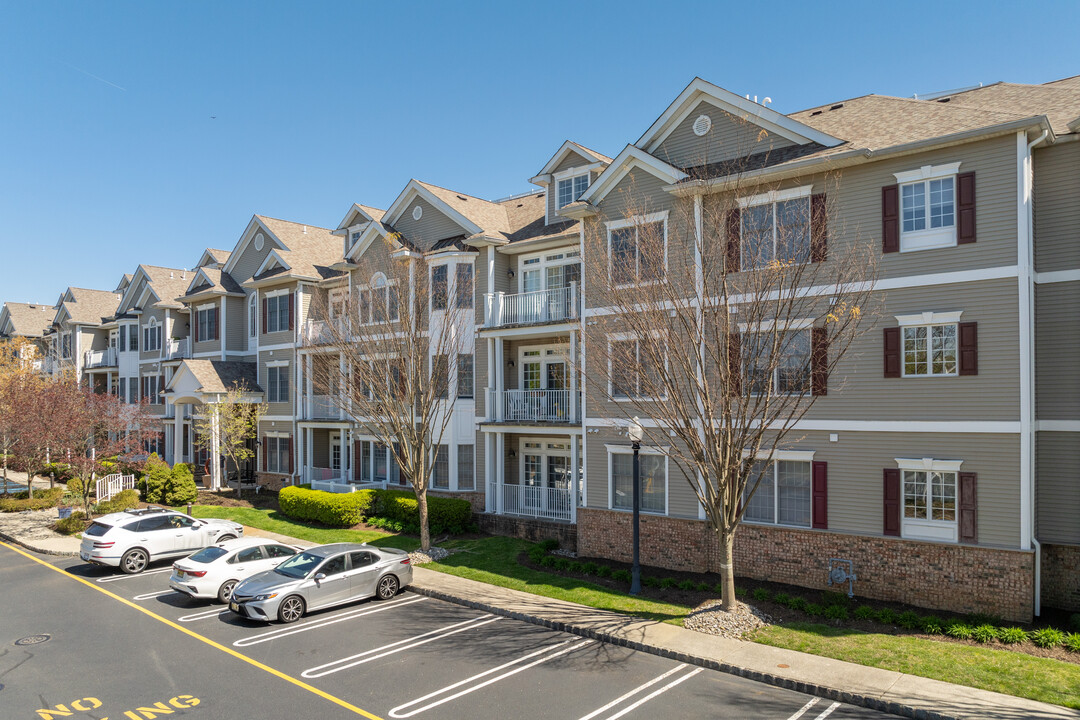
<point x="87" y="307"/>
<point x="308" y="251"/>
<point x="767" y="118"/>
<point x="631" y="157"/>
<point x="213" y="256"/>
<point x="1059" y="101"/>
<point x="360" y="214"/>
<point x="216" y="376"/>
<point x="567" y="148"/>
<point x="25" y="319"/>
<point x="165" y="284"/>
<point x="211" y="280"/>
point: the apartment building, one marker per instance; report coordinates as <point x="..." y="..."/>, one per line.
<point x="76" y="336"/>
<point x="29" y="321"/>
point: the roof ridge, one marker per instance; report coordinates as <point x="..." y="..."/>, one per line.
<point x="291" y="222"/>
<point x="456" y="192"/>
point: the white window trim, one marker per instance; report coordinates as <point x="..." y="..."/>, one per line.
<point x="636" y="222"/>
<point x="570" y="174"/>
<point x="928" y="238"/>
<point x="277" y="363"/>
<point x="775" y="196"/>
<point x="571" y="255"/>
<point x="792" y="326"/>
<point x="545" y="452"/>
<point x="562" y="354"/>
<point x="917" y="529"/>
<point x="952" y="319"/>
<point x="930" y="318"/>
<point x="622" y="336"/>
<point x="803" y="456"/>
<point x="770" y="325"/>
<point x="784" y="455"/>
<point x="253" y="310"/>
<point x="205" y="306"/>
<point x="927" y="172"/>
<point x="645" y="450"/>
<point x="928" y="464"/>
<point x="276" y="293"/>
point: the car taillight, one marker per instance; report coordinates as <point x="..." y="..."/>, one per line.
<point x="194" y="573"/>
<point x="405" y="561"/>
<point x="103" y="545"/>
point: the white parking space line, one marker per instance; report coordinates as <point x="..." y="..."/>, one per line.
<point x="399" y="646"/>
<point x="323" y="622"/>
<point x="828" y="711"/>
<point x="655" y="693"/>
<point x="545" y="653"/>
<point x="159" y="593"/>
<point x="114" y="578"/>
<point x="633" y="692"/>
<point x="216" y="612"/>
<point x="802" y="711"/>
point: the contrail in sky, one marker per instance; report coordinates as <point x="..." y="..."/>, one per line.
<point x="90" y="74"/>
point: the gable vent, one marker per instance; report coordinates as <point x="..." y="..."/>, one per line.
<point x="702" y="125"/>
<point x="417" y="212"/>
<point x="258" y="241"/>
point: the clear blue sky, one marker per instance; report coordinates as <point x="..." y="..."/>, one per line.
<point x="142" y="132"/>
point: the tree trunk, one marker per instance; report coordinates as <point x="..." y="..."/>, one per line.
<point x="727" y="570"/>
<point x="5" y="474"/>
<point x="425" y="536"/>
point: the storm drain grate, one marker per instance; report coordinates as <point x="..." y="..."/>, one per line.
<point x="33" y="639"/>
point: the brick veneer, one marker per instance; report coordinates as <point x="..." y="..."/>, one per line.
<point x="958" y="578"/>
<point x="272" y="481"/>
<point x="1061" y="576"/>
<point x="529" y="529"/>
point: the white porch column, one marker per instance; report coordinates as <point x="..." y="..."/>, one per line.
<point x="222" y="334"/>
<point x="573" y="477"/>
<point x="573" y="376"/>
<point x="500" y="379"/>
<point x="306" y="404"/>
<point x="178" y="434"/>
<point x="340" y="390"/>
<point x="490" y="486"/>
<point x="309" y="455"/>
<point x="215" y="448"/>
<point x="500" y="470"/>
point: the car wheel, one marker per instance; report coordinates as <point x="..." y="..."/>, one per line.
<point x="388" y="587"/>
<point x="291" y="609"/>
<point x="224" y="593"/>
<point x="134" y="561"/>
<point x="223" y="538"/>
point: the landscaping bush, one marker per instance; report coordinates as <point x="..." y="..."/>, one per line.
<point x="908" y="620"/>
<point x="650" y="581"/>
<point x="702" y="586"/>
<point x="589" y="568"/>
<point x="931" y="624"/>
<point x="687" y="585"/>
<point x="1047" y="637"/>
<point x="169" y="486"/>
<point x="1012" y="635"/>
<point x="668" y="583"/>
<point x="836" y="612"/>
<point x="548" y="561"/>
<point x="73" y="523"/>
<point x="123" y="500"/>
<point x="976" y="619"/>
<point x="549" y="545"/>
<point x="762" y="594"/>
<point x="1072" y="642"/>
<point x="75" y="487"/>
<point x="814" y="610"/>
<point x="864" y="612"/>
<point x="332" y="509"/>
<point x="798" y="603"/>
<point x="181" y="489"/>
<point x="42" y="500"/>
<point x="445" y="515"/>
<point x="885" y="616"/>
<point x="574" y="567"/>
<point x="622" y="576"/>
<point x="958" y="630"/>
<point x="61" y="471"/>
<point x="782" y="598"/>
<point x="536" y="554"/>
<point x="984" y="633"/>
<point x="718" y="588"/>
<point x="603" y="571"/>
<point x="829" y="598"/>
<point x="561" y="563"/>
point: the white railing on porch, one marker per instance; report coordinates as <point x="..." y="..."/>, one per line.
<point x="321" y="332"/>
<point x="99" y="358"/>
<point x="109" y="485"/>
<point x="541" y="306"/>
<point x="322" y="407"/>
<point x="560" y="406"/>
<point x="177" y="349"/>
<point x="536" y="501"/>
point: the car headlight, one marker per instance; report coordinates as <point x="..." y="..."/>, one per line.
<point x="267" y="596"/>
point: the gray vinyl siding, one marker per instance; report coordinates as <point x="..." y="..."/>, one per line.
<point x="209" y="345"/>
<point x="250" y="260"/>
<point x="480" y="377"/>
<point x="729" y="137"/>
<point x="1057" y="343"/>
<point x="92" y="339"/>
<point x="432" y="226"/>
<point x="480" y="461"/>
<point x="320" y="448"/>
<point x="236" y="328"/>
<point x="265" y="356"/>
<point x="159" y="316"/>
<point x="858" y="389"/>
<point x="1057" y="207"/>
<point x="681" y="500"/>
<point x="1057" y="469"/>
<point x="279" y="337"/>
<point x="572" y="160"/>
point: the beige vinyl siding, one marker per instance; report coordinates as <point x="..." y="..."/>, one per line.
<point x="572" y="160"/>
<point x="265" y="356"/>
<point x="236" y="328"/>
<point x="320" y="448"/>
<point x="480" y="461"/>
<point x="430" y="228"/>
<point x="681" y="501"/>
<point x="729" y="137"/>
<point x="144" y="319"/>
<point x="279" y="337"/>
<point x="1057" y="351"/>
<point x="209" y="345"/>
<point x="858" y="389"/>
<point x="1057" y="457"/>
<point x="92" y="339"/>
<point x="480" y="377"/>
<point x="1057" y="207"/>
<point x="251" y="259"/>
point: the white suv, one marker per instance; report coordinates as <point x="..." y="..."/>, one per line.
<point x="132" y="539"/>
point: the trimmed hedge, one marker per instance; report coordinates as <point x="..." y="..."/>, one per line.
<point x="73" y="523"/>
<point x="123" y="500"/>
<point x="42" y="500"/>
<point x="333" y="509"/>
<point x="445" y="515"/>
<point x="391" y="509"/>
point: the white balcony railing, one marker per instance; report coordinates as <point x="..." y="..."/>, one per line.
<point x="558" y="406"/>
<point x="322" y="332"/>
<point x="541" y="306"/>
<point x="177" y="349"/>
<point x="99" y="358"/>
<point x="321" y="474"/>
<point x="535" y="501"/>
<point x="323" y="407"/>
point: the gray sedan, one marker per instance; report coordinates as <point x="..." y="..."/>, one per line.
<point x="322" y="577"/>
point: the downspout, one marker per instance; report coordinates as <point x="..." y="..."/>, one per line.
<point x="1026" y="262"/>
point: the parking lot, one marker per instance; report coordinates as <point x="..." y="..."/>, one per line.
<point x="140" y="651"/>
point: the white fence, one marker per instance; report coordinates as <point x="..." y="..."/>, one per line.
<point x="541" y="306"/>
<point x="99" y="358"/>
<point x="536" y="501"/>
<point x="535" y="405"/>
<point x="323" y="407"/>
<point x="177" y="349"/>
<point x="111" y="484"/>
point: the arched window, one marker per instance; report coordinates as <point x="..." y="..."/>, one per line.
<point x="151" y="335"/>
<point x="251" y="315"/>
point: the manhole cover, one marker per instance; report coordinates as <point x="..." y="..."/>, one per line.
<point x="33" y="639"/>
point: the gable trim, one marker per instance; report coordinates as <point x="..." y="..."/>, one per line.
<point x="413" y="189"/>
<point x="631" y="157"/>
<point x="245" y="238"/>
<point x="271" y="260"/>
<point x="567" y="148"/>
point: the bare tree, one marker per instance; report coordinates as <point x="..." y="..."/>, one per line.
<point x="721" y="326"/>
<point x="388" y="355"/>
<point x="233" y="420"/>
<point x="18" y="385"/>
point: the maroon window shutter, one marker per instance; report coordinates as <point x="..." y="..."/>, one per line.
<point x="734" y="240"/>
<point x="892" y="352"/>
<point x="819" y="228"/>
<point x="820" y="495"/>
<point x="819" y="361"/>
<point x="289" y="450"/>
<point x="969" y="348"/>
<point x="292" y="313"/>
<point x="892" y="502"/>
<point x="969" y="504"/>
<point x="734" y="364"/>
<point x="890" y="219"/>
<point x="965" y="208"/>
<point x="357" y="469"/>
<point x="265" y="452"/>
<point x="217" y="323"/>
<point x="263" y="326"/>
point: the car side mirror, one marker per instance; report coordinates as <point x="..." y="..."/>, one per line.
<point x="320" y="576"/>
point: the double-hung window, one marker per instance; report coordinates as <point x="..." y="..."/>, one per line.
<point x="930" y="498"/>
<point x="466" y="467"/>
<point x="206" y="320"/>
<point x="440" y="375"/>
<point x="653" y="478"/>
<point x="788" y="373"/>
<point x="277" y="384"/>
<point x="465" y="375"/>
<point x="277" y="454"/>
<point x="775" y="227"/>
<point x="783" y="493"/>
<point x="632" y="373"/>
<point x="277" y="313"/>
<point x="570" y="189"/>
<point x="151" y="336"/>
<point x="463" y="286"/>
<point x="133" y="338"/>
<point x="440" y="470"/>
<point x="65" y="345"/>
<point x="928" y="207"/>
<point x="438" y="287"/>
<point x="252" y="323"/>
<point x="637" y="249"/>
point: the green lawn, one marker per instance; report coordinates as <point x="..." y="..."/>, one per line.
<point x="274" y="521"/>
<point x="1002" y="671"/>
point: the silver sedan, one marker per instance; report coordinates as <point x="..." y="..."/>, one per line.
<point x="322" y="577"/>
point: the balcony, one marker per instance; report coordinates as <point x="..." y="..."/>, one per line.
<point x="532" y="308"/>
<point x="549" y="503"/>
<point x="177" y="349"/>
<point x="322" y="407"/>
<point x="533" y="406"/>
<point x="99" y="358"/>
<point x="321" y="332"/>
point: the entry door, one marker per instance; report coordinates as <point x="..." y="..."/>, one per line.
<point x="335" y="451"/>
<point x="532" y="481"/>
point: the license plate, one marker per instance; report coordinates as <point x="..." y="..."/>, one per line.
<point x="84" y="556"/>
<point x="180" y="573"/>
<point x="235" y="607"/>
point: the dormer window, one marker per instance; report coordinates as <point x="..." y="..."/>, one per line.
<point x="570" y="189"/>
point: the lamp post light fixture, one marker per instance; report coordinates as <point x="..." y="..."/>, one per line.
<point x="636" y="432"/>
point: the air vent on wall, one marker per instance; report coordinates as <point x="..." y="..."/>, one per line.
<point x="702" y="125"/>
<point x="259" y="241"/>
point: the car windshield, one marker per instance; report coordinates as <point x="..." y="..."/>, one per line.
<point x="97" y="529"/>
<point x="209" y="554"/>
<point x="298" y="566"/>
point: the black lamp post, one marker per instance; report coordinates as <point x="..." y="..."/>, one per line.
<point x="636" y="432"/>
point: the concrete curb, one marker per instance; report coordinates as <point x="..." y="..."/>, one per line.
<point x="43" y="551"/>
<point x="823" y="691"/>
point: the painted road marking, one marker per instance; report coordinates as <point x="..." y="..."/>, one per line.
<point x="633" y="692"/>
<point x="655" y="693"/>
<point x="828" y="711"/>
<point x="396" y="647"/>
<point x="545" y="653"/>
<point x="159" y="593"/>
<point x="201" y="638"/>
<point x="215" y="612"/>
<point x="322" y="622"/>
<point x="114" y="578"/>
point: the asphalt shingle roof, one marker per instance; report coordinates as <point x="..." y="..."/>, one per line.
<point x="91" y="307"/>
<point x="311" y="249"/>
<point x="29" y="319"/>
<point x="219" y="376"/>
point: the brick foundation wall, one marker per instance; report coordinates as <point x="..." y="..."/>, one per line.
<point x="272" y="481"/>
<point x="529" y="529"/>
<point x="1061" y="576"/>
<point x="957" y="578"/>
